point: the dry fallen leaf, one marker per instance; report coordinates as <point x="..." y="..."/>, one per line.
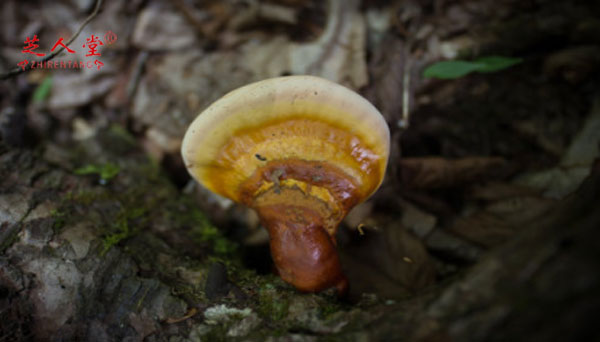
<point x="438" y="172"/>
<point x="178" y="85"/>
<point x="575" y="163"/>
<point x="71" y="90"/>
<point x="160" y="29"/>
<point x="377" y="262"/>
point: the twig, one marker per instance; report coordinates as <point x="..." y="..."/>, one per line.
<point x="19" y="70"/>
<point x="405" y="120"/>
<point x="138" y="68"/>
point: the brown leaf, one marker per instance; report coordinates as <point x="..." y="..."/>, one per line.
<point x="158" y="29"/>
<point x="500" y="219"/>
<point x="483" y="228"/>
<point x="437" y="172"/>
<point x="389" y="261"/>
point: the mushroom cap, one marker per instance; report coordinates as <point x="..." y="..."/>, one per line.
<point x="282" y="121"/>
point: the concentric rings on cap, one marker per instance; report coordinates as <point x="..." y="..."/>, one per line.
<point x="296" y="118"/>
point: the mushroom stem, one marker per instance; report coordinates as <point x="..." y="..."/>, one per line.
<point x="303" y="252"/>
<point x="301" y="204"/>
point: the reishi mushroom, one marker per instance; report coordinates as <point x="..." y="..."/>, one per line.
<point x="301" y="151"/>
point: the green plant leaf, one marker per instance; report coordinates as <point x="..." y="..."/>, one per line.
<point x="43" y="90"/>
<point x="496" y="63"/>
<point x="459" y="68"/>
<point x="106" y="171"/>
<point x="450" y="69"/>
<point x="109" y="171"/>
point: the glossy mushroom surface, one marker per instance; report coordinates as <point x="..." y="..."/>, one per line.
<point x="301" y="151"/>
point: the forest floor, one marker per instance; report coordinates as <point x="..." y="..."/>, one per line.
<point x="485" y="228"/>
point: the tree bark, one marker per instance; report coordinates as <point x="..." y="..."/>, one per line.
<point x="125" y="256"/>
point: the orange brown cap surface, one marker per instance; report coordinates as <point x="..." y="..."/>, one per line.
<point x="301" y="146"/>
<point x="295" y="117"/>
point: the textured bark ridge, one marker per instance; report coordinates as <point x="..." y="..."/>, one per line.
<point x="97" y="246"/>
<point x="80" y="252"/>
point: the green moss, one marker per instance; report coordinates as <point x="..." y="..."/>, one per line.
<point x="112" y="239"/>
<point x="139" y="199"/>
<point x="59" y="220"/>
<point x="11" y="237"/>
<point x="201" y="230"/>
<point x="87" y="197"/>
<point x="217" y="333"/>
<point x="121" y="229"/>
<point x="52" y="180"/>
<point x="122" y="134"/>
<point x="140" y="301"/>
<point x="187" y="291"/>
<point x="327" y="310"/>
<point x="272" y="303"/>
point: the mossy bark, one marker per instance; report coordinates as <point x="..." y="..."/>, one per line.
<point x="127" y="257"/>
